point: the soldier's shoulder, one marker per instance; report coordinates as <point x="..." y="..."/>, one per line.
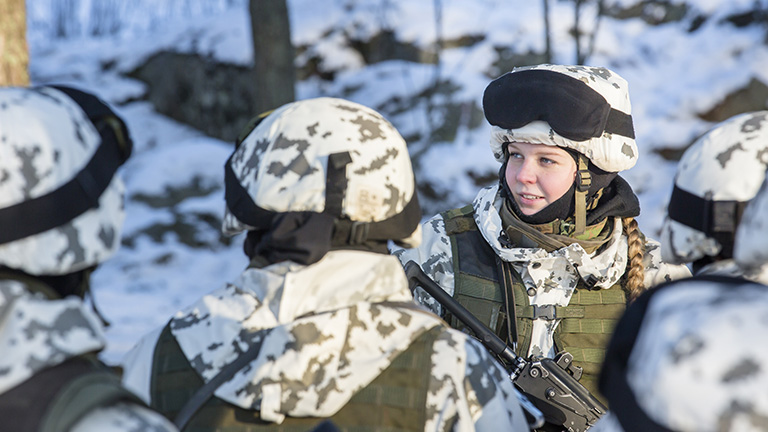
<point x="124" y="417"/>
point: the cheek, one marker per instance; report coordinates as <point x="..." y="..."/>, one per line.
<point x="510" y="174"/>
<point x="557" y="184"/>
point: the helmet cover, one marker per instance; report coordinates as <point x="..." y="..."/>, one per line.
<point x="283" y="164"/>
<point x="46" y="139"/>
<point x="727" y="163"/>
<point x="751" y="245"/>
<point x="610" y="152"/>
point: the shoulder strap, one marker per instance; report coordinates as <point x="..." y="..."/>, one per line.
<point x="56" y="398"/>
<point x="92" y="389"/>
<point x="204" y="393"/>
<point x="506" y="273"/>
<point x="459" y="220"/>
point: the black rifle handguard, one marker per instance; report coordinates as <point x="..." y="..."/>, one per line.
<point x="546" y="382"/>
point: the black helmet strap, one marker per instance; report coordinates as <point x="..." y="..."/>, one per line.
<point x="69" y="201"/>
<point x="345" y="231"/>
<point x="716" y="219"/>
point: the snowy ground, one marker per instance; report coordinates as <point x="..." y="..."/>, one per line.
<point x="173" y="252"/>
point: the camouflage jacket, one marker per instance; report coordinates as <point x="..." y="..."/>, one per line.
<point x="332" y="327"/>
<point x="553" y="275"/>
<point x="702" y="367"/>
<point x="38" y="333"/>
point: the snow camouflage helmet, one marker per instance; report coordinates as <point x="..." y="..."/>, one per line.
<point x="583" y="108"/>
<point x="715" y="179"/>
<point x="61" y="207"/>
<point x="751" y="245"/>
<point x="330" y="157"/>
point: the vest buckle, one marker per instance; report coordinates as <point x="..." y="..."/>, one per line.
<point x="358" y="232"/>
<point x="547" y="312"/>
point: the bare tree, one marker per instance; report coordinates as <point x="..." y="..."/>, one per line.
<point x="273" y="54"/>
<point x="14" y="55"/>
<point x="593" y="36"/>
<point x="577" y="30"/>
<point x="105" y="17"/>
<point x="66" y="22"/>
<point x="581" y="54"/>
<point x="547" y="34"/>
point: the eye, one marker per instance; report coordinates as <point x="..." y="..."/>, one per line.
<point x="515" y="155"/>
<point x="548" y="161"/>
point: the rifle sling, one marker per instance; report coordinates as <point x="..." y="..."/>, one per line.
<point x="509" y="300"/>
<point x="205" y="392"/>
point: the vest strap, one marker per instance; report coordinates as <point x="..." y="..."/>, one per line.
<point x="583" y="182"/>
<point x="56" y="398"/>
<point x="205" y="392"/>
<point x="456" y="220"/>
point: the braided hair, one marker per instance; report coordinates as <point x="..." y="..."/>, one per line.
<point x="635" y="274"/>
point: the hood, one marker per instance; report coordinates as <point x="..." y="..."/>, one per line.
<point x="323" y="329"/>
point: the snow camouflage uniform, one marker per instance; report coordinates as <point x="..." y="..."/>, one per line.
<point x="685" y="357"/>
<point x="337" y="332"/>
<point x="548" y="279"/>
<point x="50" y="378"/>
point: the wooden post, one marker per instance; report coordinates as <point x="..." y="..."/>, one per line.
<point x="14" y="54"/>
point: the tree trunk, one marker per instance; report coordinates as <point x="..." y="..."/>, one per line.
<point x="14" y="56"/>
<point x="547" y="35"/>
<point x="577" y="31"/>
<point x="273" y="54"/>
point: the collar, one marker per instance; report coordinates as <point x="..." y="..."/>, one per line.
<point x="559" y="269"/>
<point x="553" y="235"/>
<point x="48" y="326"/>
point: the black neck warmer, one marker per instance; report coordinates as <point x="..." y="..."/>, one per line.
<point x="301" y="237"/>
<point x="70" y="284"/>
<point x="617" y="199"/>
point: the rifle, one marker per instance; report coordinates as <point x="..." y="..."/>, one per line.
<point x="551" y="384"/>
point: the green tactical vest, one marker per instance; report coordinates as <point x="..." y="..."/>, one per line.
<point x="585" y="325"/>
<point x="56" y="398"/>
<point x="395" y="401"/>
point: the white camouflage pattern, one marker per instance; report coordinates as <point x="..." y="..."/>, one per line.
<point x="698" y="363"/>
<point x="728" y="163"/>
<point x="45" y="140"/>
<point x="729" y="267"/>
<point x="751" y="246"/>
<point x="610" y="152"/>
<point x="325" y="334"/>
<point x="283" y="162"/>
<point x="36" y="333"/>
<point x="552" y="276"/>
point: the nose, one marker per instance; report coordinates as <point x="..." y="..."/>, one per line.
<point x="526" y="172"/>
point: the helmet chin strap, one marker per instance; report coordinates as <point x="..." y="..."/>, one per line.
<point x="583" y="182"/>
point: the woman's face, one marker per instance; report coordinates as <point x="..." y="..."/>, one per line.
<point x="538" y="175"/>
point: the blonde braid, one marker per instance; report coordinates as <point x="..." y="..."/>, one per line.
<point x="635" y="274"/>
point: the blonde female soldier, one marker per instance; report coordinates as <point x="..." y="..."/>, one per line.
<point x="550" y="256"/>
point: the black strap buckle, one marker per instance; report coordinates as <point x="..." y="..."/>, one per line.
<point x="358" y="232"/>
<point x="583" y="180"/>
<point x="547" y="312"/>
